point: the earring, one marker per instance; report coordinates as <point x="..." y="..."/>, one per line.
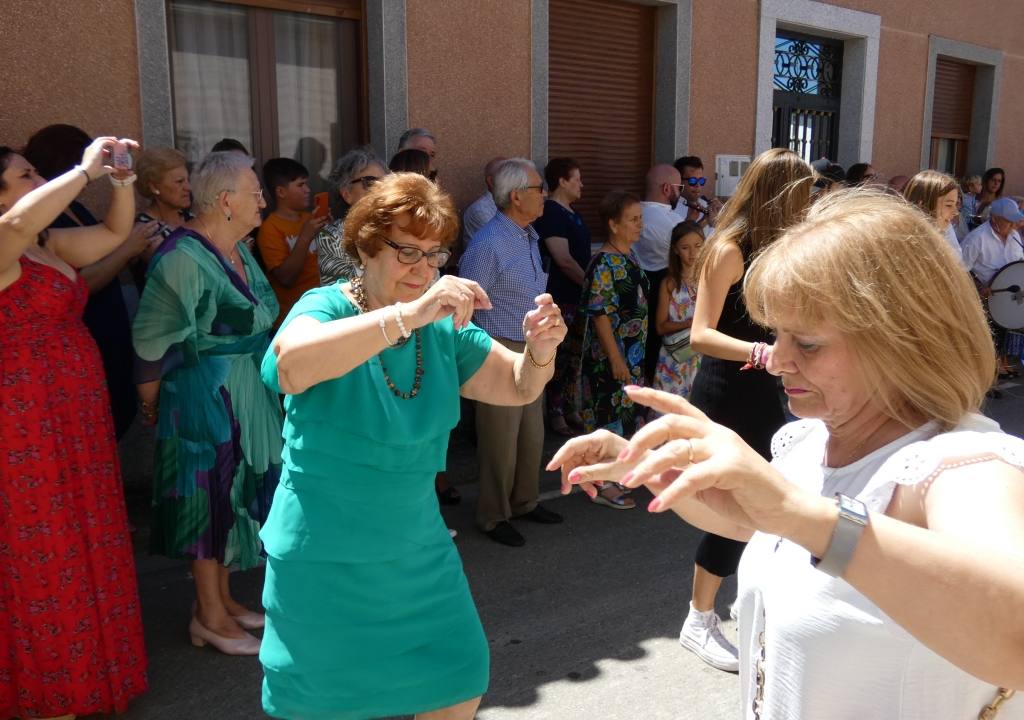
<point x="156" y="192"/>
<point x="228" y="216"/>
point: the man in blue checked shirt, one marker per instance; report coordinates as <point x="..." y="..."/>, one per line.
<point x="503" y="257"/>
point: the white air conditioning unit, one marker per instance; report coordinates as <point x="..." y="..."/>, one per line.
<point x="728" y="171"/>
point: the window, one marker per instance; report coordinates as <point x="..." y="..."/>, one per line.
<point x="283" y="83"/>
<point x="807" y="95"/>
<point x="951" y="116"/>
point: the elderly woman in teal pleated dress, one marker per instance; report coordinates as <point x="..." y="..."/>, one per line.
<point x="369" y="613"/>
<point x="200" y="333"/>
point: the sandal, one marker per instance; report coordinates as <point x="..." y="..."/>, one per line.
<point x="558" y="426"/>
<point x="449" y="496"/>
<point x="619" y="502"/>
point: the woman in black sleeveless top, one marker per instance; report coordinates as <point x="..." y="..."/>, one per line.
<point x="770" y="196"/>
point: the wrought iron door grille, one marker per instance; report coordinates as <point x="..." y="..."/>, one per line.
<point x="807" y="90"/>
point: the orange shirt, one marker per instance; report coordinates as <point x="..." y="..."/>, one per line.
<point x="276" y="239"/>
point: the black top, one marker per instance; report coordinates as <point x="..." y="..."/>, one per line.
<point x="558" y="221"/>
<point x="106" y="316"/>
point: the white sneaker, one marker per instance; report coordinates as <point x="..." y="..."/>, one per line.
<point x="702" y="635"/>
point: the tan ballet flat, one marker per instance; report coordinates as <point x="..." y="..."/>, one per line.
<point x="200" y="636"/>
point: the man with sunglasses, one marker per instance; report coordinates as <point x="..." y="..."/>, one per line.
<point x="694" y="202"/>
<point x="504" y="259"/>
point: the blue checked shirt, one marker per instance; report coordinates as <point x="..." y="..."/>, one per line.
<point x="505" y="260"/>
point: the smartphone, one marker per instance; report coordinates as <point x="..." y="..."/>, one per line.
<point x="120" y="156"/>
<point x="321" y="208"/>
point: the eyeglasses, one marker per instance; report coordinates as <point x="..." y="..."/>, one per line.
<point x="538" y="188"/>
<point x="257" y="193"/>
<point x="367" y="181"/>
<point x="409" y="255"/>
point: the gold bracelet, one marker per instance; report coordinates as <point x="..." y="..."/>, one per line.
<point x="533" y="360"/>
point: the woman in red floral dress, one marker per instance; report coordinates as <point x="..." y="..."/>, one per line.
<point x="70" y="623"/>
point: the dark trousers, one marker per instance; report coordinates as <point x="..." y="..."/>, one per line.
<point x="653" y="347"/>
<point x="718" y="555"/>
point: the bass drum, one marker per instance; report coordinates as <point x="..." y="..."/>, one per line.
<point x="1006" y="304"/>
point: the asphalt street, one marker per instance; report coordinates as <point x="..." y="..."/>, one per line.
<point x="582" y="621"/>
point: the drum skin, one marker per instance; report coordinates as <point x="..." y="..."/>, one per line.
<point x="1006" y="304"/>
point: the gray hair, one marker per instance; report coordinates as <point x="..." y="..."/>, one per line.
<point x="346" y="167"/>
<point x="408" y="135"/>
<point x="214" y="174"/>
<point x="511" y="175"/>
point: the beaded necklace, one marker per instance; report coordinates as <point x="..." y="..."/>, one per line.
<point x="359" y="293"/>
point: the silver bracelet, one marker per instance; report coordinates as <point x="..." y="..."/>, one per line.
<point x="401" y="325"/>
<point x="384" y="332"/>
<point x="123" y="182"/>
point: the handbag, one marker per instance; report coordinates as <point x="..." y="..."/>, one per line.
<point x="678" y="344"/>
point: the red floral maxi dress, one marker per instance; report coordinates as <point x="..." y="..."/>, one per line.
<point x="70" y="622"/>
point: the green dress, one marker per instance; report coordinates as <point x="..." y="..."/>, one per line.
<point x="202" y="332"/>
<point x="369" y="612"/>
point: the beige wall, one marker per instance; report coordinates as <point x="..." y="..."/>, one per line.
<point x="71" y="62"/>
<point x="723" y="79"/>
<point x="469" y="83"/>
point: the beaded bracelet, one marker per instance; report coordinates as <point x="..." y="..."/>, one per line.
<point x="401" y="325"/>
<point x="384" y="332"/>
<point x="123" y="182"/>
<point x="533" y="360"/>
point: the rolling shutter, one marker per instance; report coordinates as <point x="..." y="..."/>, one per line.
<point x="954" y="98"/>
<point x="600" y="101"/>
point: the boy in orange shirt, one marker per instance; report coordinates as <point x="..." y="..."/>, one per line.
<point x="285" y="238"/>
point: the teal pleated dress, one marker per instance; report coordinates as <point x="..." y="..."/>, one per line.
<point x="369" y="613"/>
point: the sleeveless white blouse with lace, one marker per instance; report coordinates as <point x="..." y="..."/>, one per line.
<point x="830" y="652"/>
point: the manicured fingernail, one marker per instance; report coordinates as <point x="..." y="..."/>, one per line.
<point x="624" y="454"/>
<point x="654" y="505"/>
<point x="632" y="387"/>
<point x="574" y="476"/>
<point x="626" y="478"/>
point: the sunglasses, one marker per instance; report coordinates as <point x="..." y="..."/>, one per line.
<point x="694" y="182"/>
<point x="409" y="255"/>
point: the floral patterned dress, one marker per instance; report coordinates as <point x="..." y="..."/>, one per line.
<point x="617" y="288"/>
<point x="676" y="372"/>
<point x="70" y="622"/>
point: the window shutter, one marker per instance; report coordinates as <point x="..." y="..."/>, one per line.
<point x="601" y="94"/>
<point x="954" y="98"/>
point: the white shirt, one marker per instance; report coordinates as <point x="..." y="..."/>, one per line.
<point x="478" y="214"/>
<point x="954" y="242"/>
<point x="985" y="253"/>
<point x="829" y="651"/>
<point x="652" y="247"/>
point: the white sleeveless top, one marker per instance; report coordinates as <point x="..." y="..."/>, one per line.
<point x="830" y="652"/>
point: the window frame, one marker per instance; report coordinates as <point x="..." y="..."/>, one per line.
<point x="262" y="61"/>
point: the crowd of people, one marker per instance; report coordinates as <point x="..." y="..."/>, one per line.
<point x="301" y="362"/>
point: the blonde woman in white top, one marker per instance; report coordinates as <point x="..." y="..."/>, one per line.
<point x="902" y="597"/>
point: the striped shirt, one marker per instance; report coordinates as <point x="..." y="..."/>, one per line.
<point x="505" y="260"/>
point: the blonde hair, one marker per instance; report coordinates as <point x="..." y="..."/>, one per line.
<point x="874" y="267"/>
<point x="770" y="196"/>
<point x="153" y="165"/>
<point x="925" y="189"/>
<point x="426" y="210"/>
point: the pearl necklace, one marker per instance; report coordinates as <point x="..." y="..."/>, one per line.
<point x="359" y="292"/>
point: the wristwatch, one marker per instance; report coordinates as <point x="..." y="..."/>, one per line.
<point x="853" y="518"/>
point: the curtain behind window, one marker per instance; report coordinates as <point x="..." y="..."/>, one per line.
<point x="210" y="60"/>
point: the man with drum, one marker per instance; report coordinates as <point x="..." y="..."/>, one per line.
<point x="987" y="250"/>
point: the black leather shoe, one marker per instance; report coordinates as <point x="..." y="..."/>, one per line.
<point x="542" y="515"/>
<point x="505" y="534"/>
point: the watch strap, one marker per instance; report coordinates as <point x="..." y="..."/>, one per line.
<point x="853" y="518"/>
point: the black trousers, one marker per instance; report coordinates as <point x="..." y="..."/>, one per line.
<point x="718" y="555"/>
<point x="653" y="347"/>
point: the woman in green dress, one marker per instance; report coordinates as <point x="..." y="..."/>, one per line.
<point x="369" y="613"/>
<point x="200" y="333"/>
